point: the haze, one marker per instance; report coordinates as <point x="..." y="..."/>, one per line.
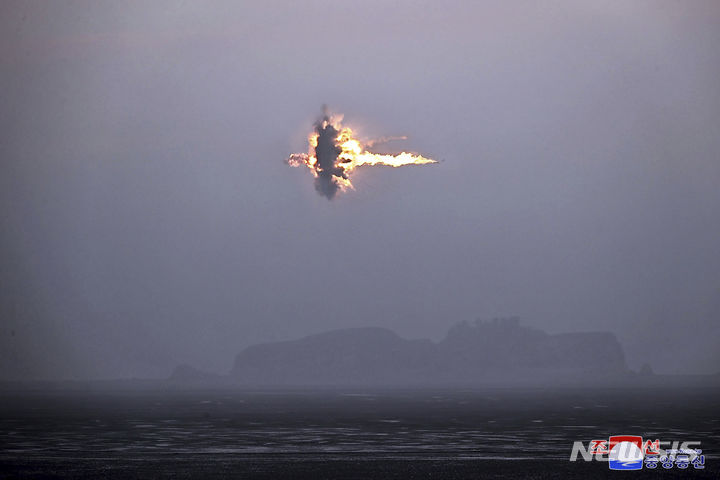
<point x="148" y="218"/>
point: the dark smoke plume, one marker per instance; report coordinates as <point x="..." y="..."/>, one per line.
<point x="334" y="152"/>
<point x="327" y="167"/>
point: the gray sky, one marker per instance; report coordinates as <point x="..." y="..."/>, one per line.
<point x="148" y="218"/>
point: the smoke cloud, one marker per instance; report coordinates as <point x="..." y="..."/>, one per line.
<point x="334" y="152"/>
<point x="328" y="168"/>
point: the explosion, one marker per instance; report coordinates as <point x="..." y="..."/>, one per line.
<point x="334" y="152"/>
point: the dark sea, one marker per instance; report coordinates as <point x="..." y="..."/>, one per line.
<point x="343" y="433"/>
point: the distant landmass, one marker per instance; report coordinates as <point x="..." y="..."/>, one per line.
<point x="499" y="351"/>
<point x="496" y="353"/>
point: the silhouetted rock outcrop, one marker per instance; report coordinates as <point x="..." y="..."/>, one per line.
<point x="358" y="355"/>
<point x="500" y="351"/>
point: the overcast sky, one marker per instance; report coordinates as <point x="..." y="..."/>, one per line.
<point x="148" y="218"/>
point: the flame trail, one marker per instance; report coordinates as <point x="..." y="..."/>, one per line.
<point x="333" y="153"/>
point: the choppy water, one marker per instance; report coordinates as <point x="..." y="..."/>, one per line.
<point x="53" y="428"/>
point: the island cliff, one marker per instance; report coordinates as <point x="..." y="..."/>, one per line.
<point x="500" y="351"/>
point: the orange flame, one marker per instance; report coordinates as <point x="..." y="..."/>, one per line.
<point x="352" y="153"/>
